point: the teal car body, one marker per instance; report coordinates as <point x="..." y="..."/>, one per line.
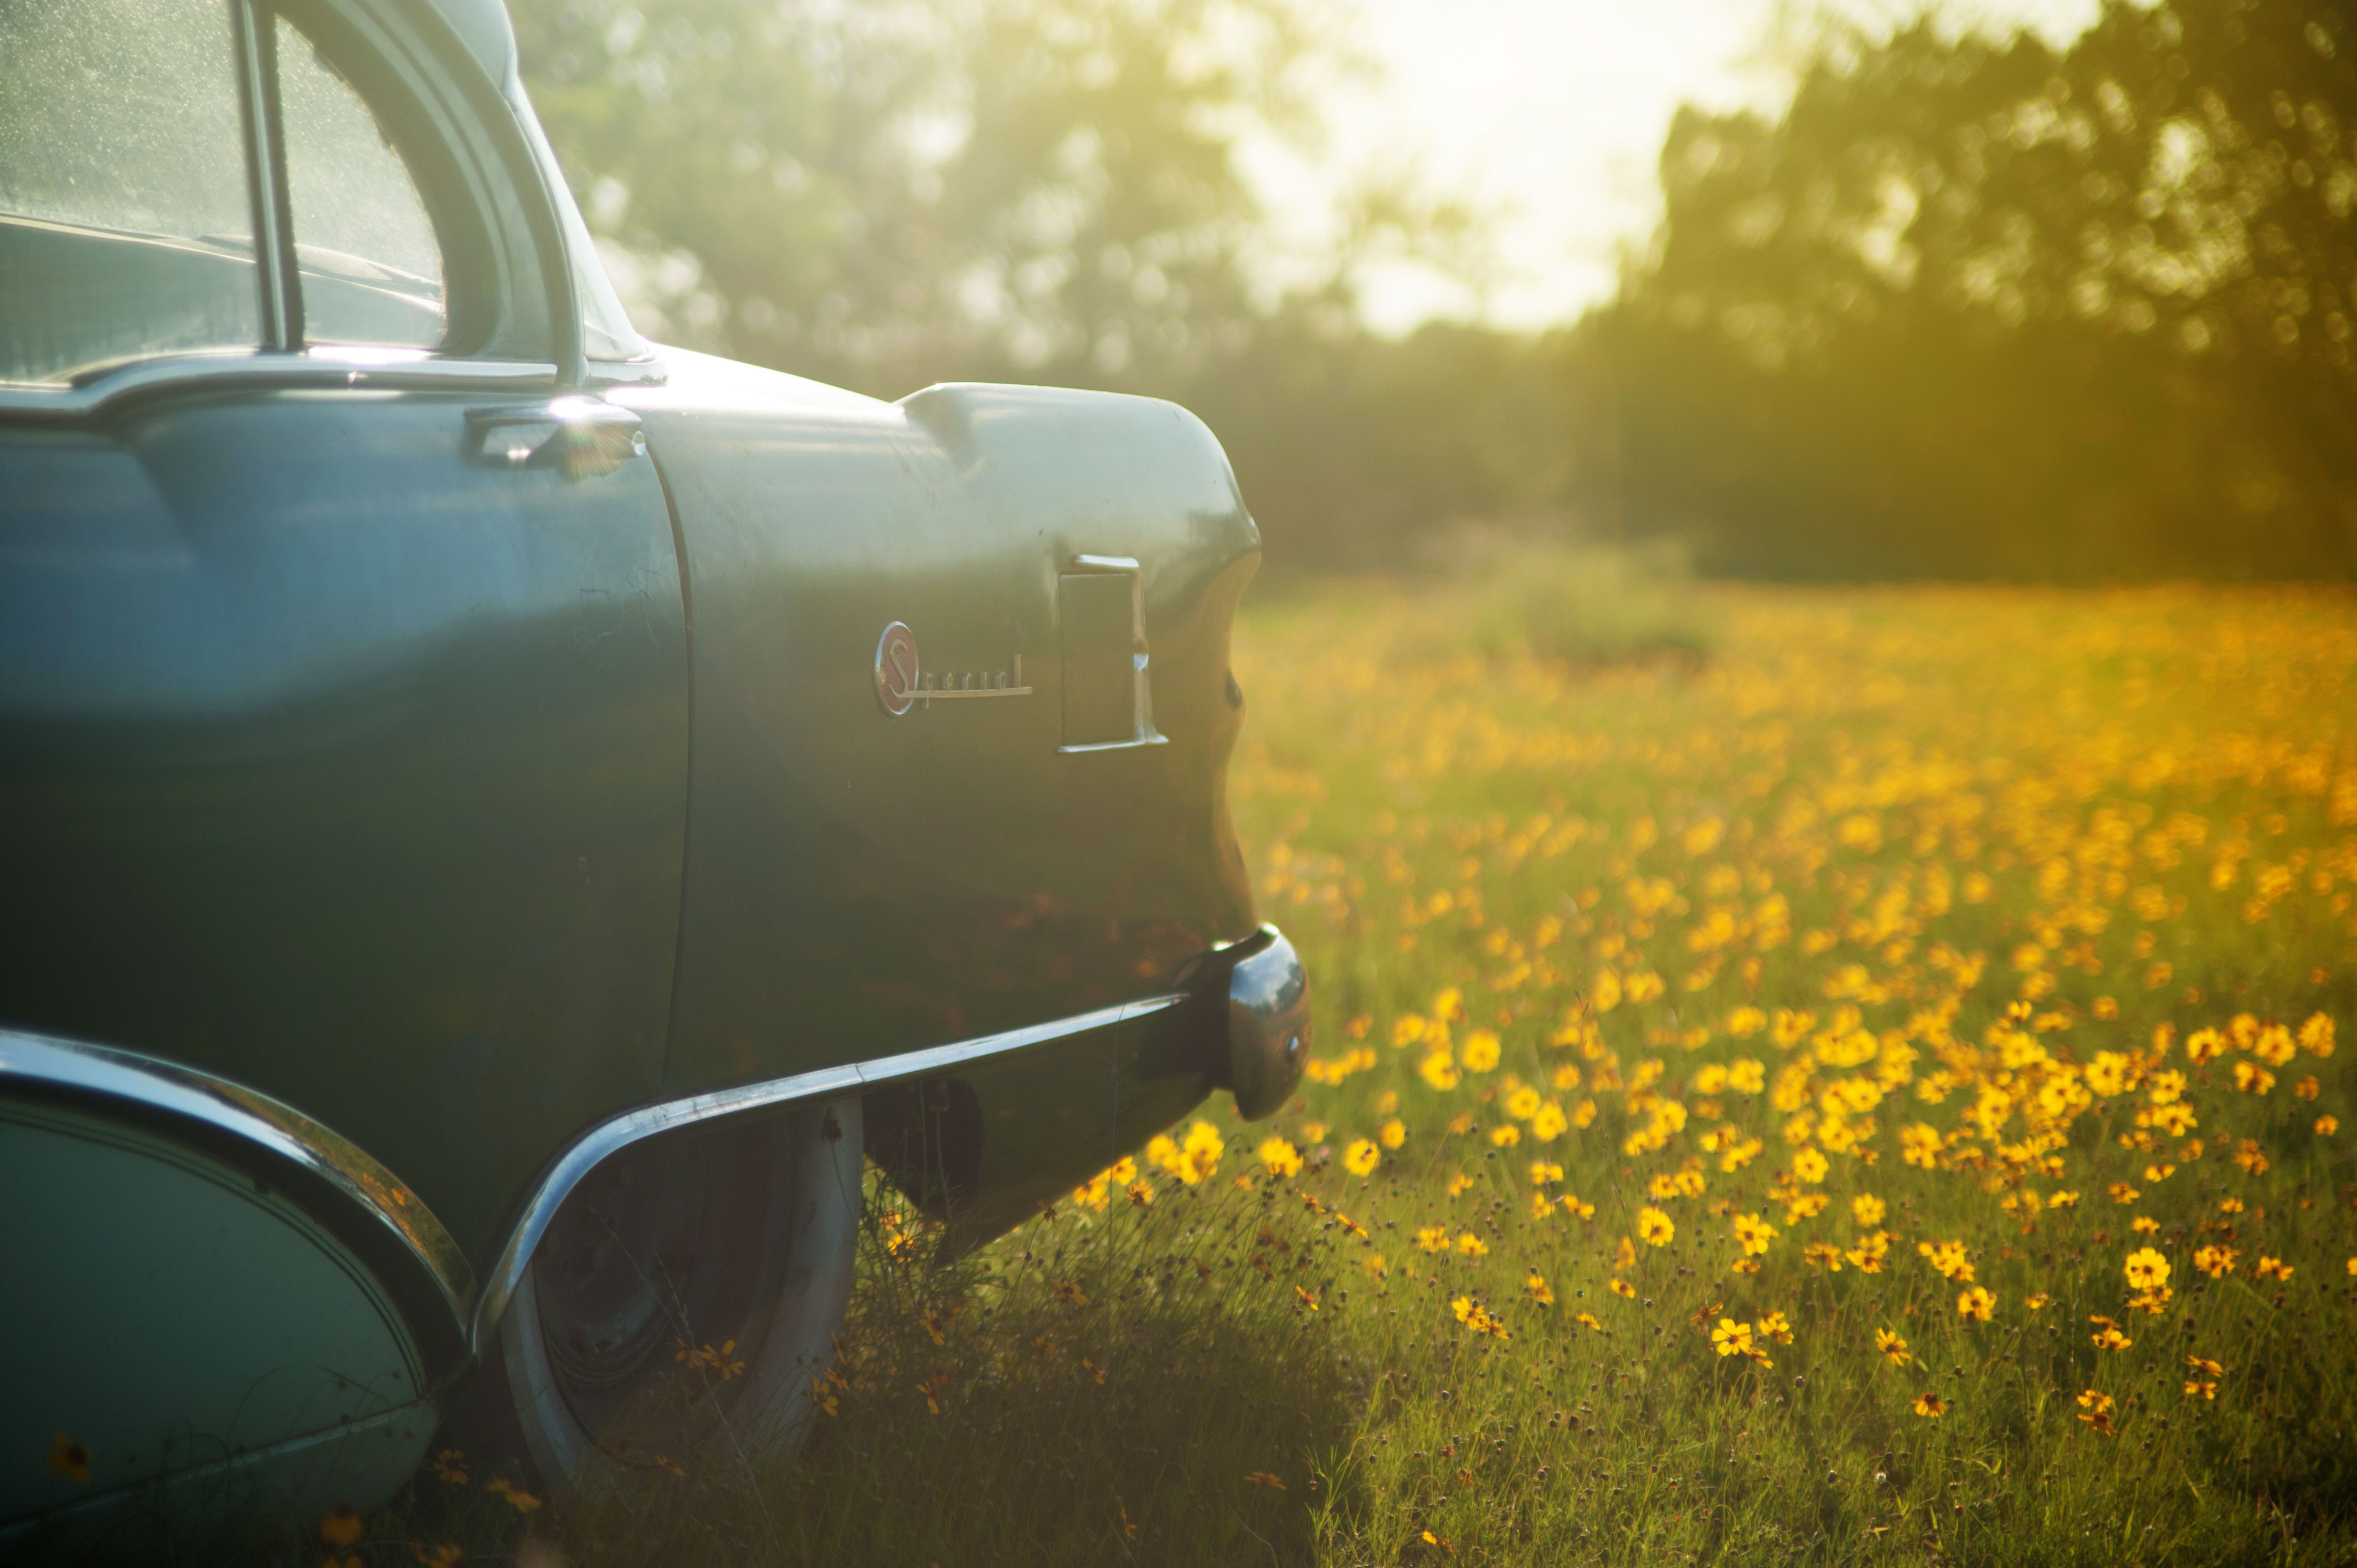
<point x="441" y="754"/>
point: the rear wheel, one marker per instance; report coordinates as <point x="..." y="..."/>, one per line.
<point x="686" y="1296"/>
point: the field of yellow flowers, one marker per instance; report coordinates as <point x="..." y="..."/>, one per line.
<point x="1871" y="1095"/>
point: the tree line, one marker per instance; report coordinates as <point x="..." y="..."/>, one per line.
<point x="1970" y="306"/>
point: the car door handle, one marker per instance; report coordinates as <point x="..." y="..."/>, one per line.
<point x="583" y="438"/>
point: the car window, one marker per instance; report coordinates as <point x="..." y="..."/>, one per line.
<point x="124" y="227"/>
<point x="369" y="262"/>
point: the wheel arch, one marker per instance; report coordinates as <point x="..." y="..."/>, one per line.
<point x="331" y="1180"/>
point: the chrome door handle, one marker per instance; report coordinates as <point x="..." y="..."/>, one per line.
<point x="583" y="436"/>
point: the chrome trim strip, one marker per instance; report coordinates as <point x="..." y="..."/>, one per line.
<point x="646" y="371"/>
<point x="610" y="1137"/>
<point x="253" y="1118"/>
<point x="262" y="195"/>
<point x="381" y="370"/>
<point x="1157" y="739"/>
<point x="185" y="1094"/>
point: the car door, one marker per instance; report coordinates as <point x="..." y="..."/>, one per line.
<point x="343" y="681"/>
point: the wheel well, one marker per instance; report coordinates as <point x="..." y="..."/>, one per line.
<point x="926" y="1137"/>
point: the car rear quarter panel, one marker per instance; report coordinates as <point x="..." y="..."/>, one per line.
<point x="861" y="883"/>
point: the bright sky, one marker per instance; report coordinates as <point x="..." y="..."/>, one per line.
<point x="1549" y="113"/>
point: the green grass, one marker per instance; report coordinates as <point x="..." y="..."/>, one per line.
<point x="1586" y="604"/>
<point x="1970" y="817"/>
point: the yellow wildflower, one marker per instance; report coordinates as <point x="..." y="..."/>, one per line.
<point x="341" y="1529"/>
<point x="1281" y="1157"/>
<point x="1948" y="1258"/>
<point x="2215" y="1261"/>
<point x="69" y="1459"/>
<point x="517" y="1498"/>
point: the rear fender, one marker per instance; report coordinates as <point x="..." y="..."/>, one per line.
<point x="1011" y="809"/>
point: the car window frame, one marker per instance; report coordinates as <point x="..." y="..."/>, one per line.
<point x="513" y="318"/>
<point x="468" y="316"/>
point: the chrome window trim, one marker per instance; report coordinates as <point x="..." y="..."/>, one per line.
<point x="183" y="1095"/>
<point x="333" y="365"/>
<point x="282" y="326"/>
<point x="646" y="371"/>
<point x="610" y="1137"/>
<point x="277" y="360"/>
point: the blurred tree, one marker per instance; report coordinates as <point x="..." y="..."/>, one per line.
<point x="893" y="193"/>
<point x="1984" y="307"/>
<point x="1353" y="450"/>
<point x="887" y="194"/>
<point x="1971" y="306"/>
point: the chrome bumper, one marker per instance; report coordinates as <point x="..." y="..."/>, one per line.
<point x="1268" y="1022"/>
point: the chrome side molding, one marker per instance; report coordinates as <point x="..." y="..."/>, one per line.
<point x="1267" y="1006"/>
<point x="613" y="1135"/>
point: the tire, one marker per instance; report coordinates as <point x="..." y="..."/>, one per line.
<point x="684" y="1299"/>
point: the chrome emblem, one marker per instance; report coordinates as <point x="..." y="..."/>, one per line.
<point x="902" y="683"/>
<point x="896" y="669"/>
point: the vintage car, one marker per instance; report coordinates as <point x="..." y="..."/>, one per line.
<point x="496" y="818"/>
